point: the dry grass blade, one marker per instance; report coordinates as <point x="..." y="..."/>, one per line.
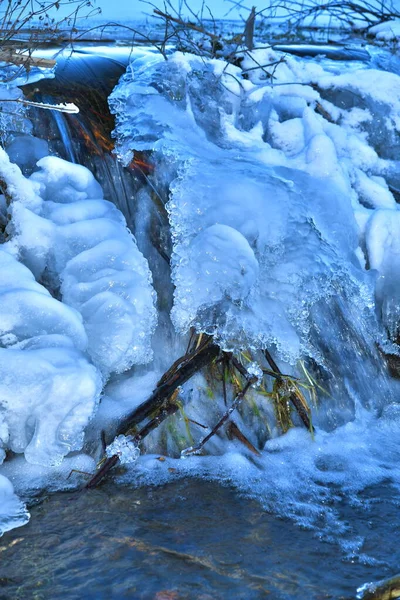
<point x="233" y="431"/>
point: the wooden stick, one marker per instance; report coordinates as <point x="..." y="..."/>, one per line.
<point x="186" y="368"/>
<point x="18" y="58"/>
<point x="223" y="419"/>
<point x="183" y="373"/>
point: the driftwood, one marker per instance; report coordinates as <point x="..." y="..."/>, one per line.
<point x="187" y="366"/>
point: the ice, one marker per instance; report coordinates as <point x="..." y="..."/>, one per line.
<point x="125" y="448"/>
<point x="48" y="395"/>
<point x="80" y="246"/>
<point x="248" y="286"/>
<point x="218" y="267"/>
<point x="48" y="389"/>
<point x="12" y="511"/>
<point x="61" y="181"/>
<point x="23" y="300"/>
<point x="289" y="176"/>
<point x="13" y="119"/>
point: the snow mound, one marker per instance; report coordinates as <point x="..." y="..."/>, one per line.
<point x="386" y="32"/>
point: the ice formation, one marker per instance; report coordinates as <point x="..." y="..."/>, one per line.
<point x="58" y="348"/>
<point x="260" y="232"/>
<point x="78" y="243"/>
<point x="12" y="511"/>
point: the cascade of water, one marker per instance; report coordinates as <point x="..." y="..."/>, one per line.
<point x="65" y="136"/>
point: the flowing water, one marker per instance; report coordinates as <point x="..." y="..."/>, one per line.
<point x="186" y="539"/>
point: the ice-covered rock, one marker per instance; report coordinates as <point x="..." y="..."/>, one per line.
<point x="26" y="150"/>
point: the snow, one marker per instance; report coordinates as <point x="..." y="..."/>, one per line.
<point x="387" y="31"/>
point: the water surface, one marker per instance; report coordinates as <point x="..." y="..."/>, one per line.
<point x="183" y="540"/>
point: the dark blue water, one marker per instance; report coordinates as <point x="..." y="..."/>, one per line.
<point x="188" y="539"/>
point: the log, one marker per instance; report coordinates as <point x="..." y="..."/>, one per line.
<point x="26" y="60"/>
<point x="187" y="366"/>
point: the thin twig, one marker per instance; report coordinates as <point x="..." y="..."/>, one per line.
<point x="239" y="397"/>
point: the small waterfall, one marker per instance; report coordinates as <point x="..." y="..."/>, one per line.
<point x="64" y="135"/>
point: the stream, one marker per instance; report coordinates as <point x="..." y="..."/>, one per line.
<point x="187" y="539"/>
<point x="293" y="518"/>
